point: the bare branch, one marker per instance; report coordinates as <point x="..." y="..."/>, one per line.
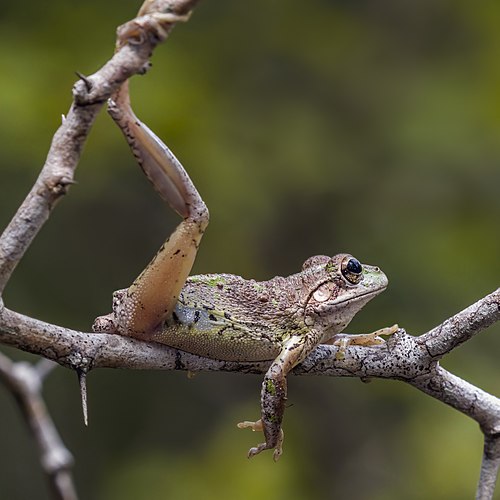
<point x="463" y="325"/>
<point x="403" y="357"/>
<point x="463" y="396"/>
<point x="489" y="468"/>
<point x="25" y="383"/>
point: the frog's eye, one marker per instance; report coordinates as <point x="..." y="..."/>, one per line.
<point x="352" y="270"/>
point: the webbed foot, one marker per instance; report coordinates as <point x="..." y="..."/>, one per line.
<point x="148" y="20"/>
<point x="258" y="426"/>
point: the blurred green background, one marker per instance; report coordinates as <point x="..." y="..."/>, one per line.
<point x="309" y="127"/>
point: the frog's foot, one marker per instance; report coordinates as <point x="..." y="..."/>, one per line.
<point x="259" y="426"/>
<point x="344" y="340"/>
<point x="105" y="324"/>
<point x="156" y="23"/>
<point x="255" y="426"/>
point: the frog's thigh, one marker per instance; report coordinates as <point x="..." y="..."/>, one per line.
<point x="153" y="295"/>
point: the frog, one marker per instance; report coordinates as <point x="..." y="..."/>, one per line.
<point x="227" y="317"/>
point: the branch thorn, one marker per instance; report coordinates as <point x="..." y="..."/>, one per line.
<point x="84" y="79"/>
<point x="82" y="381"/>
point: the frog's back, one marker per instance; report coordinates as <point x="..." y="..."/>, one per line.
<point x="223" y="316"/>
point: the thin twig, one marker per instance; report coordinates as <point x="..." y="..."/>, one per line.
<point x="25" y="383"/>
<point x="44" y="367"/>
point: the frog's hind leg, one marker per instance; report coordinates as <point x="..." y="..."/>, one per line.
<point x="151" y="298"/>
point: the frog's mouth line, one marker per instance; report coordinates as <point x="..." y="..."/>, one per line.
<point x="364" y="295"/>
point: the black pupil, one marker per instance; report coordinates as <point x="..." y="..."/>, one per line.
<point x="354" y="266"/>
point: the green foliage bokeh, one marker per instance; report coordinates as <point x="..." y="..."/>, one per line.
<point x="368" y="126"/>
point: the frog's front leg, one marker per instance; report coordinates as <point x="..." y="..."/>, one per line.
<point x="274" y="391"/>
<point x="344" y="340"/>
<point x="151" y="298"/>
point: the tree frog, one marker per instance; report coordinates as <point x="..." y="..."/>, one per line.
<point x="227" y="317"/>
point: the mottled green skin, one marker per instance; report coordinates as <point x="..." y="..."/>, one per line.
<point x="229" y="318"/>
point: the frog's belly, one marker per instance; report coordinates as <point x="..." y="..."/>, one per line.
<point x="206" y="334"/>
<point x="225" y="343"/>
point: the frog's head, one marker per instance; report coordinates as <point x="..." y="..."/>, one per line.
<point x="337" y="288"/>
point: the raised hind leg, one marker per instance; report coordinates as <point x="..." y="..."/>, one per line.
<point x="151" y="298"/>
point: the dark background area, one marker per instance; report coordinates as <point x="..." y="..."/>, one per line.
<point x="308" y="127"/>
